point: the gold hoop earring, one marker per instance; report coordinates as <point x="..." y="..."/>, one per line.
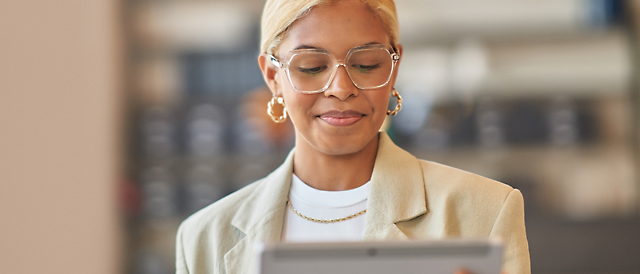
<point x="280" y="101"/>
<point x="395" y="93"/>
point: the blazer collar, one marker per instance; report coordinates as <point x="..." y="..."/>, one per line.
<point x="397" y="192"/>
<point x="269" y="197"/>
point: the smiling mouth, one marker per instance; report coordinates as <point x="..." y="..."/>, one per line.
<point x="341" y="118"/>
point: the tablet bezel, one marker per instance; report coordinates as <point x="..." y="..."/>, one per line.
<point x="479" y="256"/>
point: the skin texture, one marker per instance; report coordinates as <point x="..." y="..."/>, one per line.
<point x="333" y="151"/>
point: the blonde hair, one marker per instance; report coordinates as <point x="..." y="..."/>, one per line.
<point x="279" y="15"/>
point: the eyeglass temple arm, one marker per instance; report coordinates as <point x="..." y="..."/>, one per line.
<point x="275" y="61"/>
<point x="395" y="56"/>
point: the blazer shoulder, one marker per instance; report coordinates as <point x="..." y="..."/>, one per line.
<point x="466" y="204"/>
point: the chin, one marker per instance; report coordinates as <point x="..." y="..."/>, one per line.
<point x="337" y="145"/>
<point x="338" y="150"/>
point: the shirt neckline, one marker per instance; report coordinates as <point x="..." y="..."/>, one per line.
<point x="306" y="194"/>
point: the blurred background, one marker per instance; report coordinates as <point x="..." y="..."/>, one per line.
<point x="118" y="119"/>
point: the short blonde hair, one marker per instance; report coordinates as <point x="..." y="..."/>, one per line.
<point x="279" y="15"/>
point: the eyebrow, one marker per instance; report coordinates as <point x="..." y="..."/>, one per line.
<point x="312" y="47"/>
<point x="304" y="47"/>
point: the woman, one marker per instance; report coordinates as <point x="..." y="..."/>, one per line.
<point x="333" y="64"/>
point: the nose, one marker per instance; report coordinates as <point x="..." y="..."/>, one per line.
<point x="341" y="87"/>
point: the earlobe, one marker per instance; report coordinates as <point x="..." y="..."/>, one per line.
<point x="269" y="73"/>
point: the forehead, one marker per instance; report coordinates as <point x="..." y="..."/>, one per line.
<point x="336" y="27"/>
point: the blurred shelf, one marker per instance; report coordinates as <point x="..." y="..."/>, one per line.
<point x="597" y="66"/>
<point x="434" y="21"/>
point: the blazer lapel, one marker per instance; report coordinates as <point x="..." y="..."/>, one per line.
<point x="260" y="218"/>
<point x="397" y="192"/>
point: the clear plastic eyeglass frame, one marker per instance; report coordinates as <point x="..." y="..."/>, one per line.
<point x="395" y="57"/>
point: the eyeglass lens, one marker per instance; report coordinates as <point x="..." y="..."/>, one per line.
<point x="312" y="71"/>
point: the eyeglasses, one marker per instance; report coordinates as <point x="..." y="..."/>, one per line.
<point x="312" y="70"/>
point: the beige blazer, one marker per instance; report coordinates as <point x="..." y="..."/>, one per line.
<point x="408" y="199"/>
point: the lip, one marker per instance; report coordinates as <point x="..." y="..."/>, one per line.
<point x="341" y="118"/>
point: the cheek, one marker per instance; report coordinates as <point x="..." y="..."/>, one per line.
<point x="380" y="101"/>
<point x="298" y="105"/>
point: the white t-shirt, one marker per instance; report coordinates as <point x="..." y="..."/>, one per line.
<point x="320" y="204"/>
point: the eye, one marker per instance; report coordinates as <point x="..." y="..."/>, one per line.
<point x="365" y="68"/>
<point x="313" y="70"/>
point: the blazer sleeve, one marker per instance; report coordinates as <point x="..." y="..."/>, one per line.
<point x="181" y="265"/>
<point x="510" y="228"/>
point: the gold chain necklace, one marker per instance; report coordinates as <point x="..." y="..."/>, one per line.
<point x="324" y="221"/>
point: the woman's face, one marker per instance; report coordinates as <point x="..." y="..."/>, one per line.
<point x="343" y="119"/>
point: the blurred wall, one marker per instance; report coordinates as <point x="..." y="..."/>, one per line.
<point x="59" y="148"/>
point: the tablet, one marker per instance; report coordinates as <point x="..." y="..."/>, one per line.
<point x="406" y="257"/>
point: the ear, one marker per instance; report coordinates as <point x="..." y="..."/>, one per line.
<point x="269" y="73"/>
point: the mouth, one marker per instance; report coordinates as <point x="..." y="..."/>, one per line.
<point x="341" y="118"/>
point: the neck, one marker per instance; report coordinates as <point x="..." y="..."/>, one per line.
<point x="334" y="172"/>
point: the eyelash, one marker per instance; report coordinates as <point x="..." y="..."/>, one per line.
<point x="311" y="70"/>
<point x="367" y="68"/>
